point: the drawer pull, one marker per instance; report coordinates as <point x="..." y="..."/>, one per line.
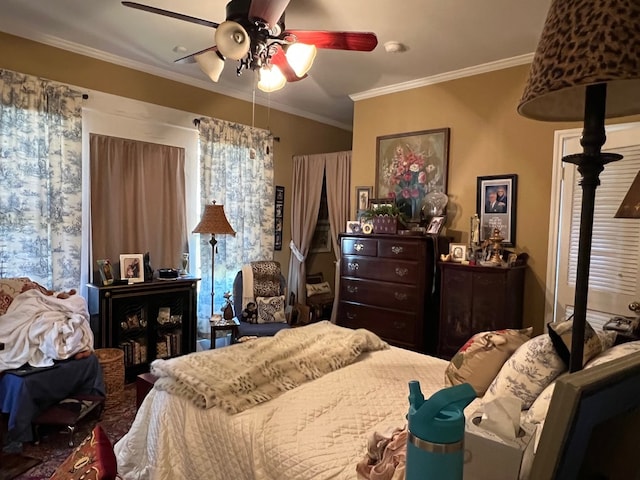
<point x="358" y="247"/>
<point x="401" y="272"/>
<point x="397" y="250"/>
<point x="400" y="296"/>
<point x="399" y="325"/>
<point x="351" y="316"/>
<point x="353" y="266"/>
<point x="352" y="289"/>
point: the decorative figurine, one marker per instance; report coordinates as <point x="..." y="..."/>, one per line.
<point x="227" y="309"/>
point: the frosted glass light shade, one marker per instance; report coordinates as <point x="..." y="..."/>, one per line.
<point x="300" y="56"/>
<point x="211" y="62"/>
<point x="271" y="79"/>
<point x="232" y="40"/>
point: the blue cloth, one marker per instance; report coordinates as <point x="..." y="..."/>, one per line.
<point x="24" y="397"/>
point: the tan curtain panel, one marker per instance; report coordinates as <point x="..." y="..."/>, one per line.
<point x="137" y="200"/>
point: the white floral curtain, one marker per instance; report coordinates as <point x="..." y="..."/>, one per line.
<point x="236" y="170"/>
<point x="41" y="177"/>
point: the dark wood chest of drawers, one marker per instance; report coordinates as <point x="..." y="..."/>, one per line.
<point x="477" y="299"/>
<point x="386" y="286"/>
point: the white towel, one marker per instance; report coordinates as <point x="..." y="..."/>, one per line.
<point x="247" y="285"/>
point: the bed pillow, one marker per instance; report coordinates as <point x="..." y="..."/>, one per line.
<point x="92" y="460"/>
<point x="539" y="408"/>
<point x="560" y="333"/>
<point x="613" y="353"/>
<point x="481" y="358"/>
<point x="318" y="288"/>
<point x="271" y="309"/>
<point x="527" y="372"/>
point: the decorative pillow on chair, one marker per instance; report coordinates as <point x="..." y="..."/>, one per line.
<point x="266" y="278"/>
<point x="560" y="333"/>
<point x="10" y="288"/>
<point x="481" y="358"/>
<point x="318" y="288"/>
<point x="92" y="460"/>
<point x="271" y="309"/>
<point x="527" y="372"/>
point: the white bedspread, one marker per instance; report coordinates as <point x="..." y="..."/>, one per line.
<point x="316" y="431"/>
<point x="38" y="329"/>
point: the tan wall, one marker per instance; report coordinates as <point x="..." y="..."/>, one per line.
<point x="297" y="135"/>
<point x="488" y="137"/>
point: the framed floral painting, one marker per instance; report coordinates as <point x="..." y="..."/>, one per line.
<point x="411" y="165"/>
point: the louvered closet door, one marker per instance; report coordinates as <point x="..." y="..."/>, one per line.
<point x="614" y="280"/>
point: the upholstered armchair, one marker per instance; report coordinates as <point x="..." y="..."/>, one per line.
<point x="268" y="294"/>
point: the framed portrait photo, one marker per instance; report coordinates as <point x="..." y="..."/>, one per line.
<point x="411" y="165"/>
<point x="496" y="206"/>
<point x="458" y="252"/>
<point x="436" y="224"/>
<point x="131" y="267"/>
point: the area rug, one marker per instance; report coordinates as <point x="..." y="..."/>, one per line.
<point x="14" y="464"/>
<point x="54" y="448"/>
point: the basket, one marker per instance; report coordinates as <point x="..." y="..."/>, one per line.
<point x="112" y="363"/>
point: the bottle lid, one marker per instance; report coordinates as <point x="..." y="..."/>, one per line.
<point x="440" y="419"/>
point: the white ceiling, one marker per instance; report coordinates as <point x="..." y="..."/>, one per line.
<point x="441" y="35"/>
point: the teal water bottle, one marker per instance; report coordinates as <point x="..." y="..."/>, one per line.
<point x="435" y="443"/>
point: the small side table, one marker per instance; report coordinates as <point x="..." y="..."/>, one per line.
<point x="223" y="326"/>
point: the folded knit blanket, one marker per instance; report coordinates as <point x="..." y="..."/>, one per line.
<point x="240" y="376"/>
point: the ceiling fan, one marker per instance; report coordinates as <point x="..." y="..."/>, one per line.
<point x="254" y="34"/>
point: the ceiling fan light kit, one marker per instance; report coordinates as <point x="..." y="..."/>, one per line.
<point x="254" y="34"/>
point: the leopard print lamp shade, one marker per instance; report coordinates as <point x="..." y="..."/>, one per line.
<point x="585" y="42"/>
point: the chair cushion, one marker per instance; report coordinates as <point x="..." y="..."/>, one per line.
<point x="260" y="329"/>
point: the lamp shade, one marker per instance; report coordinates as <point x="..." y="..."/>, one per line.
<point x="300" y="56"/>
<point x="232" y="40"/>
<point x="630" y="206"/>
<point x="585" y="42"/>
<point x="211" y="62"/>
<point x="214" y="221"/>
<point x="271" y="79"/>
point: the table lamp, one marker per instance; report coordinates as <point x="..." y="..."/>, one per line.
<point x="215" y="222"/>
<point x="586" y="67"/>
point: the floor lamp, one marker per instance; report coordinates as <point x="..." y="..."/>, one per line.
<point x="215" y="222"/>
<point x="586" y="67"/>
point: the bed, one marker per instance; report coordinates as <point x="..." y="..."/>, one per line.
<point x="316" y="431"/>
<point x="320" y="429"/>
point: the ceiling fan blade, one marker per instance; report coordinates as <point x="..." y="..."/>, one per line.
<point x="279" y="59"/>
<point x="191" y="57"/>
<point x="360" y="41"/>
<point x="167" y="13"/>
<point x="268" y="10"/>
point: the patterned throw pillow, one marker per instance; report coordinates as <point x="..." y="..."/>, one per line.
<point x="318" y="288"/>
<point x="527" y="372"/>
<point x="92" y="460"/>
<point x="481" y="358"/>
<point x="266" y="278"/>
<point x="10" y="288"/>
<point x="561" y="333"/>
<point x="271" y="309"/>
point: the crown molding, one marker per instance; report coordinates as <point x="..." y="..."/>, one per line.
<point x="444" y="77"/>
<point x="160" y="72"/>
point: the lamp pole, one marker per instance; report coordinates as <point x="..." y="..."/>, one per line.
<point x="213" y="242"/>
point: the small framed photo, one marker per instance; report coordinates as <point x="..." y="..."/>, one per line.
<point x="436" y="224"/>
<point x="131" y="267"/>
<point x="106" y="272"/>
<point x="458" y="252"/>
<point x="353" y="226"/>
<point x="496" y="205"/>
<point x="363" y="194"/>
